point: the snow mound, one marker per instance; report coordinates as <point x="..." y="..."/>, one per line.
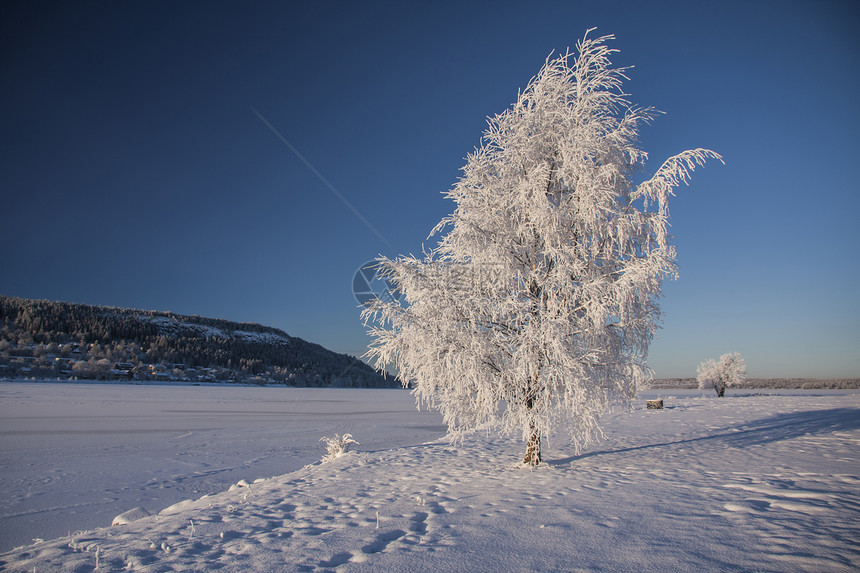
<point x="177" y="507"/>
<point x="240" y="484"/>
<point x="129" y="516"/>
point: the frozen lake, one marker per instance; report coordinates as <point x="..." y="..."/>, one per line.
<point x="76" y="455"/>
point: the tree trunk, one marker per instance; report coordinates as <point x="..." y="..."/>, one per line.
<point x="532" y="457"/>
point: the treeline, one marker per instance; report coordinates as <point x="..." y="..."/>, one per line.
<point x="767" y="383"/>
<point x="45" y="338"/>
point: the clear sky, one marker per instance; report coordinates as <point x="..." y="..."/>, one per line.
<point x="134" y="171"/>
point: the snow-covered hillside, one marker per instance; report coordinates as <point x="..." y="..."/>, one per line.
<point x="59" y="340"/>
<point x="748" y="482"/>
<point x="174" y="326"/>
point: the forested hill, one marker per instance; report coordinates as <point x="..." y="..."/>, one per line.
<point x="56" y="339"/>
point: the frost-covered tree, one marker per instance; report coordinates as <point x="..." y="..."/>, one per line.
<point x="729" y="370"/>
<point x="535" y="310"/>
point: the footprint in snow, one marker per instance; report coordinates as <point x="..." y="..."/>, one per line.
<point x="419" y="523"/>
<point x="383" y="540"/>
<point x="314" y="531"/>
<point x="337" y="560"/>
<point x="436" y="507"/>
<point x="747" y="506"/>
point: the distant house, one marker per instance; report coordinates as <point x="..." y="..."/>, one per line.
<point x="123" y="369"/>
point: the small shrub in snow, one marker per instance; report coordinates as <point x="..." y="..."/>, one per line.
<point x="729" y="370"/>
<point x="337" y="446"/>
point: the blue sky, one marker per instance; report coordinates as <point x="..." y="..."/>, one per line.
<point x="135" y="173"/>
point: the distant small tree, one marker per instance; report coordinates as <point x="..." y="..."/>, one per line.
<point x="729" y="370"/>
<point x="92" y="369"/>
<point x="536" y="309"/>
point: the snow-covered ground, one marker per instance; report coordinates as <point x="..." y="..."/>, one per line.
<point x="751" y="482"/>
<point x="73" y="456"/>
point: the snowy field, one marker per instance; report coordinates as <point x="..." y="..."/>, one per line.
<point x="752" y="482"/>
<point x="76" y="455"/>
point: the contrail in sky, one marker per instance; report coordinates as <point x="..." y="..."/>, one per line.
<point x="321" y="178"/>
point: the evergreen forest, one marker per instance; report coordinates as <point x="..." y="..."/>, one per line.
<point x="46" y="339"/>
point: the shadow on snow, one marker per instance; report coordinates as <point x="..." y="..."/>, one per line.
<point x="758" y="432"/>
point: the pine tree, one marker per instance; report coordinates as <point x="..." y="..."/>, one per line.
<point x="535" y="310"/>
